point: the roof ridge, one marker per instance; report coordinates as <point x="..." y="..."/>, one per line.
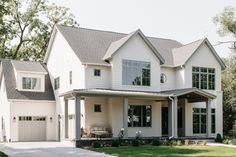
<point x="191" y="43"/>
<point x="106" y="31"/>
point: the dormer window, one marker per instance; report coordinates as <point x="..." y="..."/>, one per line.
<point x="30" y="83"/>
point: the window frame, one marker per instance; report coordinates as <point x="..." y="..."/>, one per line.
<point x="40" y="89"/>
<point x="97" y="74"/>
<point x="200" y="114"/>
<point x="131" y="125"/>
<point x="70" y="77"/>
<point x="57" y="83"/>
<point x="163" y="78"/>
<point x="213" y="121"/>
<point x="145" y="67"/>
<point x="97" y="108"/>
<point x="205" y="78"/>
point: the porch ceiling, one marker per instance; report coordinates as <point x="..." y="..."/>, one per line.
<point x="192" y="94"/>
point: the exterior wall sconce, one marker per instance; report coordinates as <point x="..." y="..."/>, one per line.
<point x="14" y="119"/>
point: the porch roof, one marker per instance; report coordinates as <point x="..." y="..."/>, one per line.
<point x="163" y="95"/>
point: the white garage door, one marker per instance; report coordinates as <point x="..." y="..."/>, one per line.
<point x="32" y="128"/>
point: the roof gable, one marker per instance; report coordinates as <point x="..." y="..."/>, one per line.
<point x="115" y="46"/>
<point x="183" y="54"/>
<point x="90" y="45"/>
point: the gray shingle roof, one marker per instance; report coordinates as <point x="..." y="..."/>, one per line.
<point x="91" y="45"/>
<point x="10" y="82"/>
<point x="28" y="66"/>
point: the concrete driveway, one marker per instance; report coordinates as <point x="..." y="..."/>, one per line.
<point x="46" y="149"/>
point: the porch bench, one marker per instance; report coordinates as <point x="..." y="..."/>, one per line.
<point x="100" y="132"/>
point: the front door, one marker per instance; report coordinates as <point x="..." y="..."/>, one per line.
<point x="164" y="116"/>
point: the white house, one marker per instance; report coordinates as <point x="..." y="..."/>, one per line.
<point x="104" y="81"/>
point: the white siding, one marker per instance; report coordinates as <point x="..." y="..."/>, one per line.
<point x="103" y="81"/>
<point x="33" y="108"/>
<point x="171" y="79"/>
<point x="5" y="112"/>
<point x="61" y="61"/>
<point x="135" y="49"/>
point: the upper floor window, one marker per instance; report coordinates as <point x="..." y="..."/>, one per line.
<point x="203" y="78"/>
<point x="30" y="83"/>
<point x="163" y="78"/>
<point x="97" y="108"/>
<point x="57" y="83"/>
<point x="97" y="72"/>
<point x="70" y="77"/>
<point x="136" y="73"/>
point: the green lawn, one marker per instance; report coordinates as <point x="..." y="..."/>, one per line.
<point x="166" y="151"/>
<point x="3" y="155"/>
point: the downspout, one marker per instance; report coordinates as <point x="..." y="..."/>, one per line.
<point x="172" y="117"/>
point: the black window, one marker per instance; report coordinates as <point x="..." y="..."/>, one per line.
<point x="97" y="72"/>
<point x="136" y="73"/>
<point x="139" y="116"/>
<point x="97" y="108"/>
<point x="213" y="121"/>
<point x="70" y="77"/>
<point x="57" y="83"/>
<point x="203" y="78"/>
<point x="199" y="120"/>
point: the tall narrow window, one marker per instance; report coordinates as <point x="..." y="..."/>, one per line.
<point x="203" y="78"/>
<point x="213" y="121"/>
<point x="136" y="73"/>
<point x="57" y="83"/>
<point x="70" y="77"/>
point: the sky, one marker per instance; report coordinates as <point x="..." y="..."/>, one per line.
<point x="181" y="20"/>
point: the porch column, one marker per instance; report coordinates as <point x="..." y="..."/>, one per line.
<point x="175" y="114"/>
<point x="208" y="118"/>
<point x="66" y="118"/>
<point x="77" y="118"/>
<point x="125" y="117"/>
<point x="170" y="121"/>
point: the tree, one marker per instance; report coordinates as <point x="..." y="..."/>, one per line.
<point x="226" y="23"/>
<point x="229" y="94"/>
<point x="30" y="24"/>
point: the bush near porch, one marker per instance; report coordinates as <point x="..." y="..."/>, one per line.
<point x="3" y="154"/>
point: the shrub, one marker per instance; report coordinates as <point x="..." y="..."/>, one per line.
<point x="204" y="142"/>
<point x="227" y="141"/>
<point x="96" y="144"/>
<point x="196" y="142"/>
<point x="186" y="142"/>
<point x="173" y="142"/>
<point x="218" y="138"/>
<point x="178" y="143"/>
<point x="135" y="143"/>
<point x="156" y="142"/>
<point x="165" y="142"/>
<point x="115" y="143"/>
<point x="121" y="136"/>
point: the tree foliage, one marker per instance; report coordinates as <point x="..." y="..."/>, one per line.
<point x="226" y="23"/>
<point x="28" y="27"/>
<point x="229" y="94"/>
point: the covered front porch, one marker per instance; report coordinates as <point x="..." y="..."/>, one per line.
<point x="155" y="114"/>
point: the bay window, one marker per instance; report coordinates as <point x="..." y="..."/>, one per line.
<point x="136" y="73"/>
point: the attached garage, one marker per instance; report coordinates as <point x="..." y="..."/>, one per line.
<point x="32" y="128"/>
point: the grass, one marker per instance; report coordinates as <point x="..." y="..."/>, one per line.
<point x="167" y="151"/>
<point x="3" y="155"/>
